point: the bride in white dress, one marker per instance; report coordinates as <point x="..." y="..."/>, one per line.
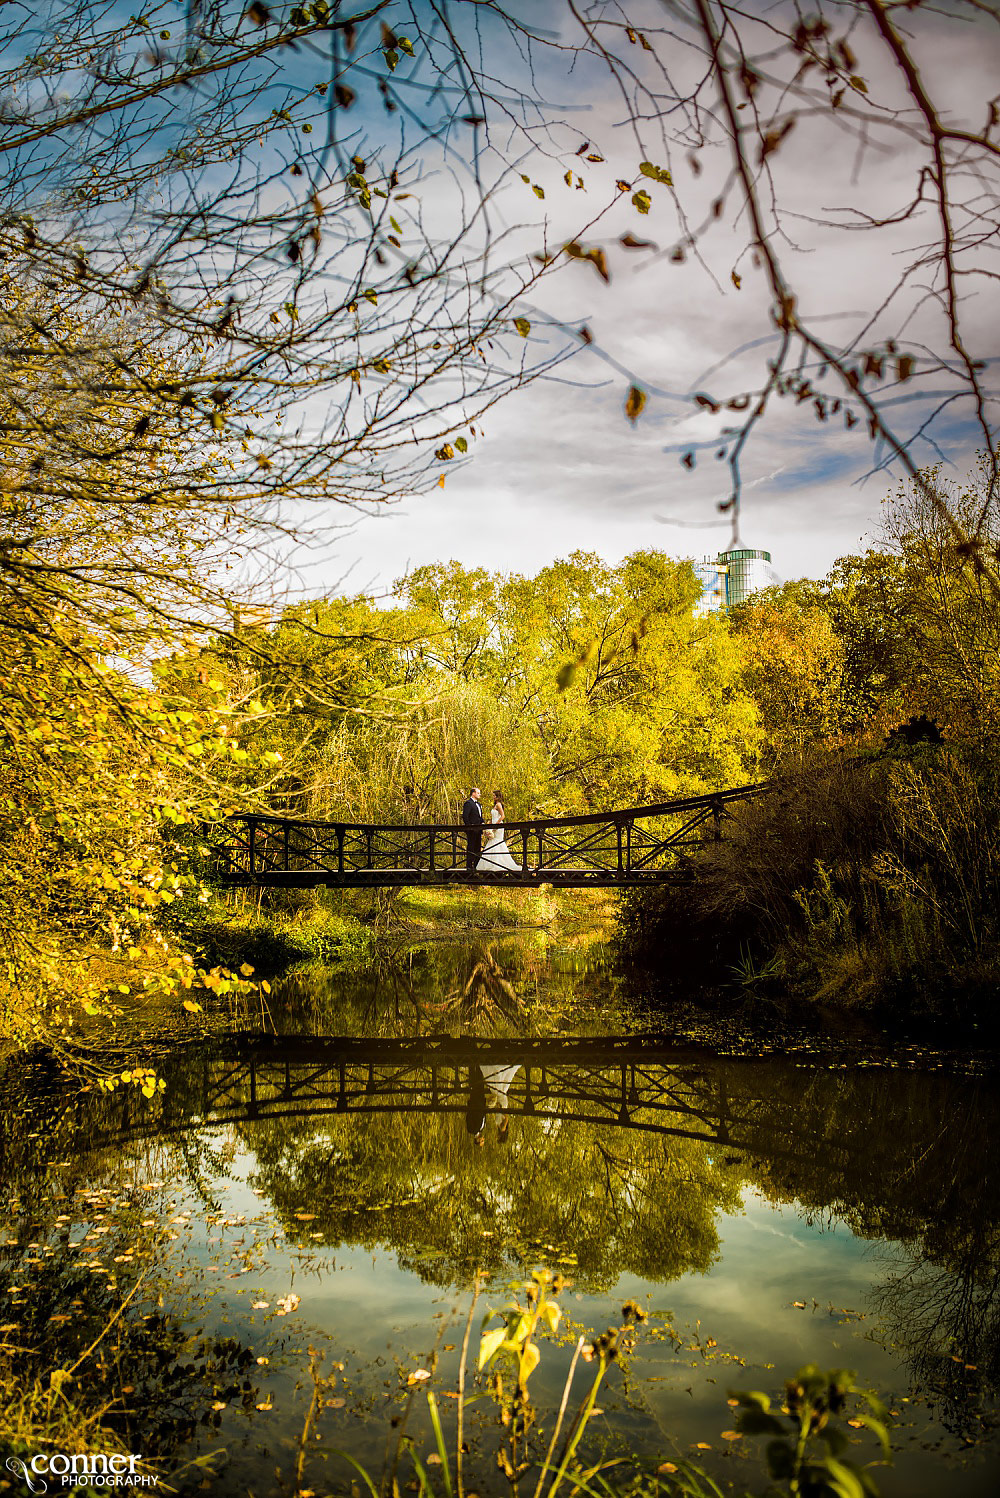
<point x="496" y="857"/>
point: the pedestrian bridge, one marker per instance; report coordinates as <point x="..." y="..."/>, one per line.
<point x="624" y="849"/>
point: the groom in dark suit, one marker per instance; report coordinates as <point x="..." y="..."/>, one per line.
<point x="472" y="816"/>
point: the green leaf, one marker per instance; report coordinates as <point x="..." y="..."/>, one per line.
<point x="462" y="444"/>
<point x="656" y="173"/>
<point x="405" y="45"/>
<point x="391" y="59"/>
<point x="550" y="1314"/>
<point x="877" y="1429"/>
<point x="523" y="326"/>
<point x="642" y="201"/>
<point x="843" y="1479"/>
<point x="490" y="1344"/>
<point x="751" y="1399"/>
<point x="834" y="1439"/>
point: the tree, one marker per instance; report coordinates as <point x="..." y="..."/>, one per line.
<point x="794" y="664"/>
<point x="584" y="687"/>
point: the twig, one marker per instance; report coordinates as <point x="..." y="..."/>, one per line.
<point x="559" y="1419"/>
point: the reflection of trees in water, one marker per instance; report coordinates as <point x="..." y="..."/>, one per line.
<point x="629" y="1203"/>
<point x="482" y="983"/>
<point x="897" y="1155"/>
<point x="911" y="1157"/>
<point x="944" y="1318"/>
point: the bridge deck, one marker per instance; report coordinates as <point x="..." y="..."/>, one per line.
<point x="459" y="877"/>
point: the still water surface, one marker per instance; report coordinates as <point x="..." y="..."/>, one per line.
<point x="318" y="1187"/>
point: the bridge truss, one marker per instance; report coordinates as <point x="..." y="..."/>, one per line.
<point x="626" y="849"/>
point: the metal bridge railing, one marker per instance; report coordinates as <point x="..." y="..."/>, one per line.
<point x="613" y="846"/>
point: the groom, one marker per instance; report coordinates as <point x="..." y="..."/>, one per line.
<point x="472" y="816"/>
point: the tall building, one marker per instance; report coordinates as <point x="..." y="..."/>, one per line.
<point x="732" y="576"/>
<point x="746" y="572"/>
<point x="712" y="576"/>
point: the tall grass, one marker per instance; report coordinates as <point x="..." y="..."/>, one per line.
<point x="862" y="883"/>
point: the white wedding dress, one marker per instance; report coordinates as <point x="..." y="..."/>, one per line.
<point x="496" y="857"/>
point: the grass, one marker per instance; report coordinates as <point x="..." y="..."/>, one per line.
<point x="49" y="1414"/>
<point x="342" y="927"/>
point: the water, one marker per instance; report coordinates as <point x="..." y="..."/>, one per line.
<point x="318" y="1187"/>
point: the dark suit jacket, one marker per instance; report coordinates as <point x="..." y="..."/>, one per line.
<point x="472" y="813"/>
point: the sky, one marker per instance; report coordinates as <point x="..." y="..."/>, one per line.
<point x="558" y="468"/>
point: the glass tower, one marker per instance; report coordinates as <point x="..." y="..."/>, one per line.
<point x="746" y="572"/>
<point x="731" y="577"/>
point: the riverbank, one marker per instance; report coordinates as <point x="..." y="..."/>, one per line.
<point x="343" y="928"/>
<point x="867" y="884"/>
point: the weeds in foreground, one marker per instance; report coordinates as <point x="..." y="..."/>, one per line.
<point x="809" y="1432"/>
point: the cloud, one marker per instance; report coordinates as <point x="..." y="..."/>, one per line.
<point x="560" y="468"/>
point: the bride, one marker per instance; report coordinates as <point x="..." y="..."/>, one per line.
<point x="496" y="857"/>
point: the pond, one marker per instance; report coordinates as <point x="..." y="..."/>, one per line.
<point x="297" y="1223"/>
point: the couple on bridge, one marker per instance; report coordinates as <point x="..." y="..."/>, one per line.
<point x="495" y="859"/>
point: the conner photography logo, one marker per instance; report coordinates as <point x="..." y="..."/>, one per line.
<point x="94" y="1470"/>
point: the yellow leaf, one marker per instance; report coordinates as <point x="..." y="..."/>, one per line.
<point x="635" y="402"/>
<point x="246" y="969"/>
<point x="192" y="1007"/>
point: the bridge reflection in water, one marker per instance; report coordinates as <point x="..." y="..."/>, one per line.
<point x="636" y="1082"/>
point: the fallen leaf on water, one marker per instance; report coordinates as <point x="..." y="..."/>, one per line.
<point x="220" y="1404"/>
<point x="305" y="1216"/>
<point x="261" y="1305"/>
<point x="263" y="1362"/>
<point x="667" y="1467"/>
<point x="799" y="1305"/>
<point x="265" y="1406"/>
<point x="731" y="1435"/>
<point x="418" y="1376"/>
<point x="733" y="1403"/>
<point x="287" y="1303"/>
<point x="702" y="1446"/>
<point x="857" y="1424"/>
<point x="433" y="1460"/>
<point x="335" y="1404"/>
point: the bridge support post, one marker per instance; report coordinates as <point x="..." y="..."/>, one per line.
<point x="430" y="849"/>
<point x="524" y="849"/>
<point x="251" y="844"/>
<point x="340" y="850"/>
<point x="285" y="846"/>
<point x="717" y="819"/>
<point x="621" y="864"/>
